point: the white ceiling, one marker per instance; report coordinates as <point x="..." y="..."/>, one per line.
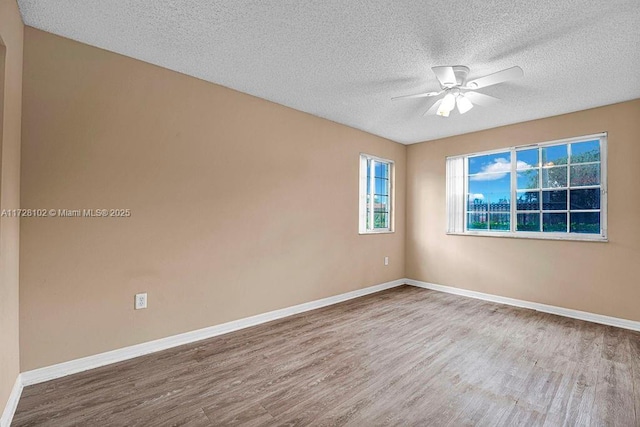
<point x="344" y="59"/>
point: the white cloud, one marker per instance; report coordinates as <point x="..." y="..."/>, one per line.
<point x="475" y="196"/>
<point x="498" y="169"/>
<point x="523" y="165"/>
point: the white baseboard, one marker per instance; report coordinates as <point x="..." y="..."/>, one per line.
<point x="12" y="403"/>
<point x="552" y="309"/>
<point x="90" y="362"/>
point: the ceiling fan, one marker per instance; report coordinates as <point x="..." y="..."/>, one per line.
<point x="461" y="93"/>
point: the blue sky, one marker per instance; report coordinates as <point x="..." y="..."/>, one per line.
<point x="490" y="163"/>
<point x="491" y="190"/>
<point x="380" y="182"/>
<point x="583" y="147"/>
<point x="494" y="183"/>
<point x="554" y="155"/>
<point x="490" y="175"/>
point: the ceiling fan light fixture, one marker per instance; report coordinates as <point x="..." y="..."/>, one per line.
<point x="453" y="80"/>
<point x="442" y="113"/>
<point x="463" y="104"/>
<point x="447" y="105"/>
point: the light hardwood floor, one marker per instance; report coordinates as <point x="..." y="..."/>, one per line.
<point x="406" y="356"/>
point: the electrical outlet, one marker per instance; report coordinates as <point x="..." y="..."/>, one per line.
<point x="386" y="260"/>
<point x="141" y="301"/>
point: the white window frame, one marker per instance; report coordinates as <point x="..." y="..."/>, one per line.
<point x="457" y="208"/>
<point x="364" y="161"/>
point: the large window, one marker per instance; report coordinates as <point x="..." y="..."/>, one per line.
<point x="376" y="194"/>
<point x="549" y="190"/>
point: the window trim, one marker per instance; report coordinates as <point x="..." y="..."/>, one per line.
<point x="539" y="235"/>
<point x="362" y="219"/>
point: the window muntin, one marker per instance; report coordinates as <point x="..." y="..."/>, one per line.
<point x="376" y="177"/>
<point x="549" y="190"/>
<point x="562" y="188"/>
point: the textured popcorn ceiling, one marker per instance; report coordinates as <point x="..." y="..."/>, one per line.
<point x="344" y="60"/>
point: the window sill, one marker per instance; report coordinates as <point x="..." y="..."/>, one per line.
<point x="362" y="233"/>
<point x="571" y="238"/>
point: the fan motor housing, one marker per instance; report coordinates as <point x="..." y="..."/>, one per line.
<point x="461" y="73"/>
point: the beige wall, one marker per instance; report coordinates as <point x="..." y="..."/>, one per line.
<point x="239" y="206"/>
<point x="600" y="278"/>
<point x="10" y="113"/>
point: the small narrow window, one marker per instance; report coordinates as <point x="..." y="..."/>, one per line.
<point x="376" y="194"/>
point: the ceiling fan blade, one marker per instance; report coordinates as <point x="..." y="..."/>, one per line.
<point x="434" y="108"/>
<point x="417" y="95"/>
<point x="481" y="99"/>
<point x="495" y="78"/>
<point x="445" y="75"/>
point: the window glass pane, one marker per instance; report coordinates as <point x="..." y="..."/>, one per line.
<point x="382" y="186"/>
<point x="549" y="189"/>
<point x="554" y="155"/>
<point x="477" y="220"/>
<point x="589" y="198"/>
<point x="381" y="204"/>
<point x="585" y="222"/>
<point x="380" y="220"/>
<point x="528" y="201"/>
<point x="490" y="163"/>
<point x="554" y="222"/>
<point x="583" y="152"/>
<point x="382" y="170"/>
<point x="491" y="188"/>
<point x="477" y="202"/>
<point x="477" y="193"/>
<point x="585" y="175"/>
<point x="527" y="159"/>
<point x="528" y="179"/>
<point x="489" y="192"/>
<point x="500" y="205"/>
<point x="375" y="197"/>
<point x="554" y="177"/>
<point x="499" y="221"/>
<point x="554" y="200"/>
<point x="528" y="222"/>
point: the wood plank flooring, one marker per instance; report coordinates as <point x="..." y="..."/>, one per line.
<point x="406" y="356"/>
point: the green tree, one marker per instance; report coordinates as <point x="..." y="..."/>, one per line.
<point x="581" y="174"/>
